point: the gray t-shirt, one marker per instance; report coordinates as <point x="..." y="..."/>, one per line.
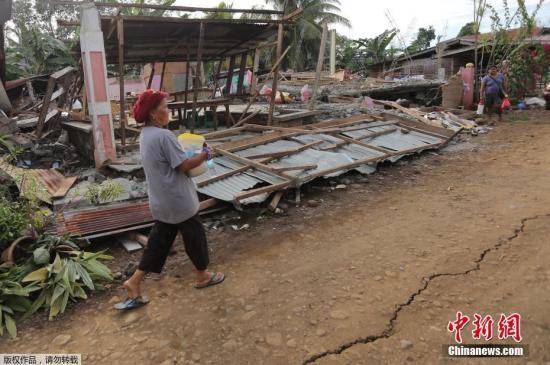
<point x="172" y="195"/>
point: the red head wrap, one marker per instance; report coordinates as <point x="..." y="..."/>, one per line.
<point x="146" y="103"/>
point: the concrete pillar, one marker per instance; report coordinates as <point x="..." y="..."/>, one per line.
<point x="95" y="81"/>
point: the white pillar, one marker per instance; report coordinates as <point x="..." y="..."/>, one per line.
<point x="95" y="80"/>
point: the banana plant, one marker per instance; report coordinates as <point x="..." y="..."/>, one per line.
<point x="14" y="298"/>
<point x="66" y="279"/>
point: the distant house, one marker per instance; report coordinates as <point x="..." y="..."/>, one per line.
<point x="449" y="55"/>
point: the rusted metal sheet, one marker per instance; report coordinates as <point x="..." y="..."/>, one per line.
<point x="111" y="218"/>
<point x="39" y="183"/>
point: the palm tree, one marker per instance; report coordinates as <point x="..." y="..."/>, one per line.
<point x="305" y="33"/>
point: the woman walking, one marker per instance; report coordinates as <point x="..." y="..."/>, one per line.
<point x="173" y="200"/>
<point x="492" y="92"/>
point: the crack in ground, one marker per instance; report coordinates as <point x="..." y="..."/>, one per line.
<point x="425" y="282"/>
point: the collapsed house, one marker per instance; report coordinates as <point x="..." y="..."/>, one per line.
<point x="262" y="149"/>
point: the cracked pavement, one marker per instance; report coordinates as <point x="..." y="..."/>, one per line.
<point x="349" y="281"/>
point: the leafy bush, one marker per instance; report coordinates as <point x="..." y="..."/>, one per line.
<point x="41" y="283"/>
<point x="14" y="298"/>
<point x="13" y="220"/>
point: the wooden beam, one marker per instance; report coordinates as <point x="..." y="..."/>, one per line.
<point x="255" y="164"/>
<point x="229" y="75"/>
<point x="257" y="92"/>
<point x="242" y="121"/>
<point x="171" y="8"/>
<point x="187" y="74"/>
<point x="320" y="60"/>
<point x="280" y="36"/>
<point x="295" y="168"/>
<point x="255" y="67"/>
<point x="275" y="201"/>
<point x="223" y="176"/>
<point x="162" y="75"/>
<point x="120" y="36"/>
<point x="45" y="106"/>
<point x="242" y="70"/>
<point x="368" y="160"/>
<point x="150" y="82"/>
<point x="266" y="189"/>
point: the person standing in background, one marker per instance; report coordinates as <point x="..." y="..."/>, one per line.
<point x="492" y="92"/>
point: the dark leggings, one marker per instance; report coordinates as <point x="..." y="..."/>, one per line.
<point x="162" y="237"/>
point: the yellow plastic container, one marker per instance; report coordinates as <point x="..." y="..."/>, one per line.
<point x="192" y="145"/>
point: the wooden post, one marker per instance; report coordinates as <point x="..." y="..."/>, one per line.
<point x="187" y="75"/>
<point x="229" y="75"/>
<point x="242" y="69"/>
<point x="320" y="60"/>
<point x="120" y="36"/>
<point x="216" y="76"/>
<point x="276" y="74"/>
<point x="196" y="85"/>
<point x="2" y="56"/>
<point x="162" y="75"/>
<point x="150" y="82"/>
<point x="333" y="51"/>
<point x="255" y="68"/>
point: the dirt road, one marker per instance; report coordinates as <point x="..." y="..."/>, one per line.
<point x="370" y="276"/>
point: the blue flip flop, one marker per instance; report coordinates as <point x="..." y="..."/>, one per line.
<point x="215" y="279"/>
<point x="131" y="303"/>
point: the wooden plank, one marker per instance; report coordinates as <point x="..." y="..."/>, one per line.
<point x="436" y="135"/>
<point x="368" y="160"/>
<point x="57" y="93"/>
<point x="266" y="189"/>
<point x="171" y="7"/>
<point x="255" y="164"/>
<point x="223" y="176"/>
<point x="354" y="141"/>
<point x="320" y="60"/>
<point x="242" y="121"/>
<point x="63" y="72"/>
<point x="275" y="201"/>
<point x="285" y="153"/>
<point x="420" y="125"/>
<point x="295" y="168"/>
<point x="224" y="133"/>
<point x="45" y="107"/>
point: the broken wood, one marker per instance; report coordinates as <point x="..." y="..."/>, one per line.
<point x="295" y="168"/>
<point x="266" y="189"/>
<point x="275" y="200"/>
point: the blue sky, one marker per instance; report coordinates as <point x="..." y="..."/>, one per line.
<point x="368" y="17"/>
